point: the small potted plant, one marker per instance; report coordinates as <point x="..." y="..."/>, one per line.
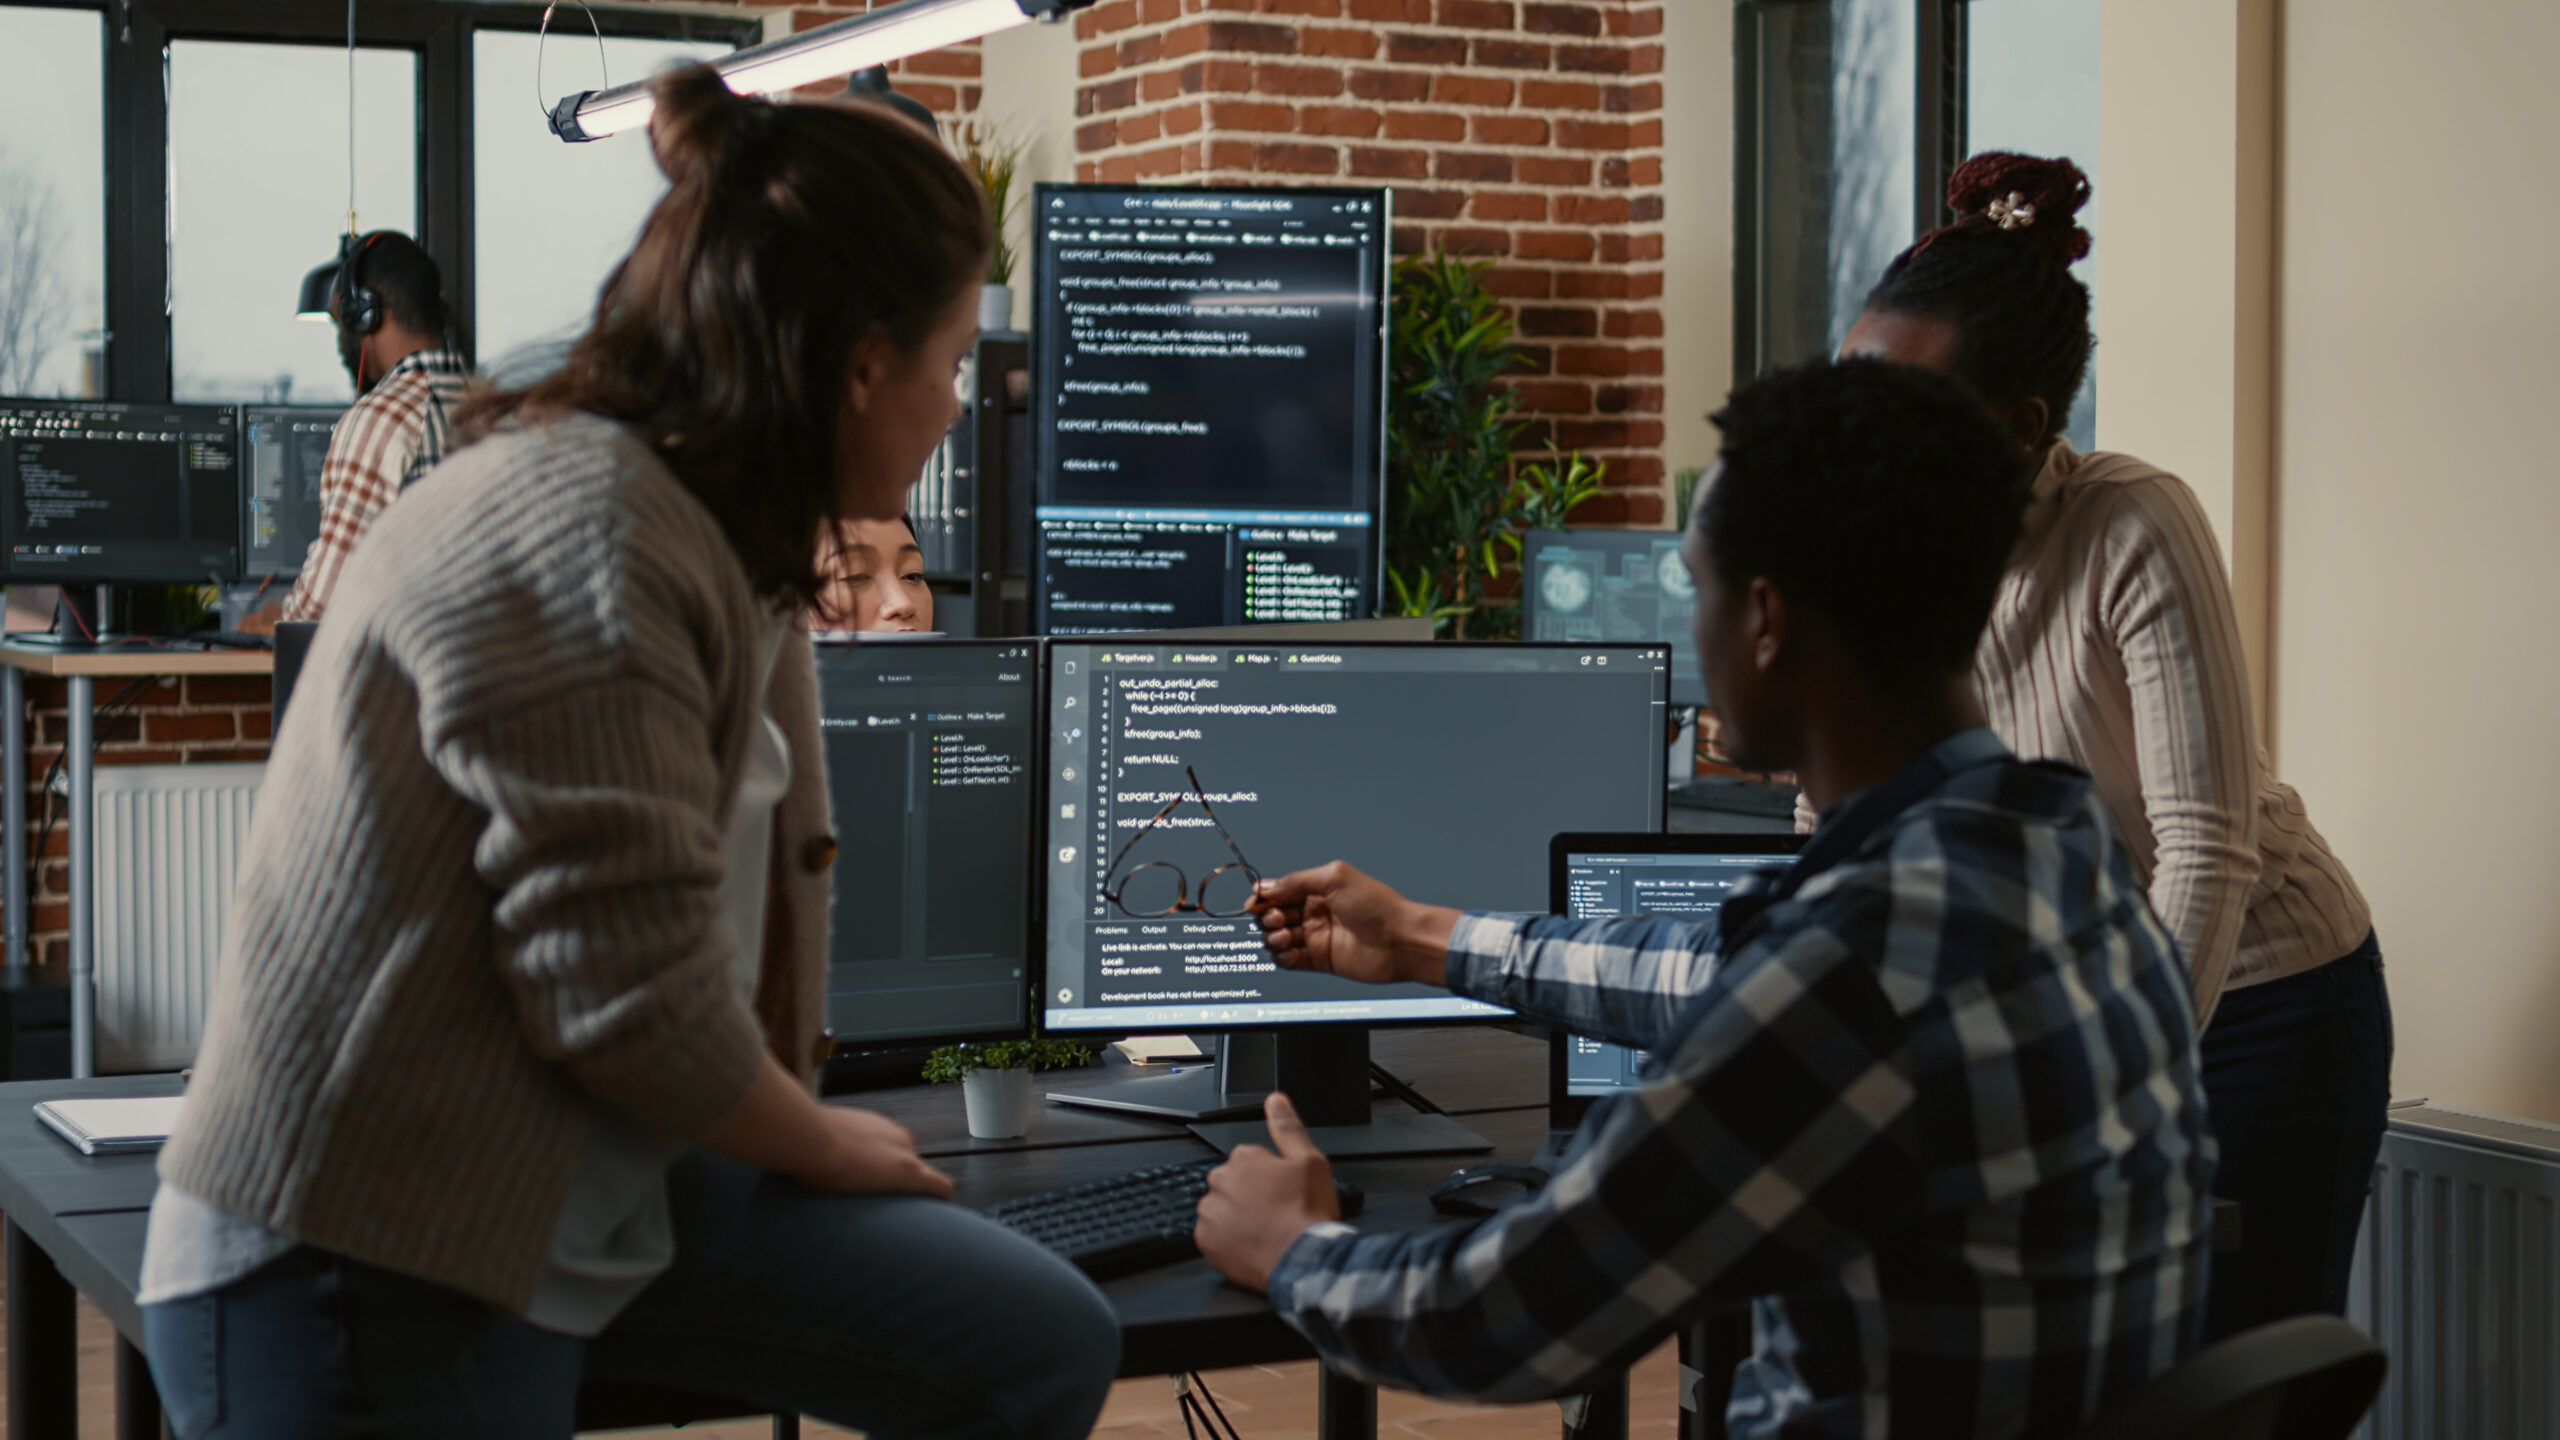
<point x="997" y="162"/>
<point x="995" y="1079"/>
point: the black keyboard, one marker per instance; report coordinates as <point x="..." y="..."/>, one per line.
<point x="1128" y="1223"/>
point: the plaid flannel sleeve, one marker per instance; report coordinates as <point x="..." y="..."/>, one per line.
<point x="1625" y="980"/>
<point x="1769" y="1151"/>
<point x="367" y="460"/>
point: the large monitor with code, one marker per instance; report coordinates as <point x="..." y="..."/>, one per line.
<point x="1441" y="769"/>
<point x="1585" y="585"/>
<point x="282" y="449"/>
<point x="1208" y="406"/>
<point x="100" y="493"/>
<point x="1596" y="876"/>
<point x="931" y="747"/>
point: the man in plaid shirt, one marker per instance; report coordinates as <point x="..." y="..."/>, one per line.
<point x="1928" y="1099"/>
<point x="408" y="383"/>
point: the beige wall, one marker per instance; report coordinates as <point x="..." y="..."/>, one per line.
<point x="1697" y="225"/>
<point x="2417" y="593"/>
<point x="2187" y="96"/>
<point x="1030" y="79"/>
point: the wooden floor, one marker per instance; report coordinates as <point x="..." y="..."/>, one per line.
<point x="1266" y="1403"/>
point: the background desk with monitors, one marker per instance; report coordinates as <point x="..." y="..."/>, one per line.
<point x="106" y="494"/>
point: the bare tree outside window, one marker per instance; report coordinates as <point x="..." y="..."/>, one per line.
<point x="35" y="303"/>
<point x="53" y="201"/>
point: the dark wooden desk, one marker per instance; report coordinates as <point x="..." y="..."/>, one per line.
<point x="76" y="1223"/>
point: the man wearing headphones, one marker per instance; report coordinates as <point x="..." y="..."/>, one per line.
<point x="388" y="301"/>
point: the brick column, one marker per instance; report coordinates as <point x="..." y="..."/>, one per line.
<point x="1524" y="131"/>
<point x="943" y="81"/>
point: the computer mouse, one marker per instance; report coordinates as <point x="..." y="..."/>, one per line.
<point x="1484" y="1189"/>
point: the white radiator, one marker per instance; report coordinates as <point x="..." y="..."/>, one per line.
<point x="169" y="840"/>
<point x="2455" y="1276"/>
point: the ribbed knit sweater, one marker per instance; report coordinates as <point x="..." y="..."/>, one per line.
<point x="2114" y="646"/>
<point x="480" y="902"/>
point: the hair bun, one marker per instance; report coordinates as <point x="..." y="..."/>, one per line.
<point x="696" y="119"/>
<point x="2023" y="195"/>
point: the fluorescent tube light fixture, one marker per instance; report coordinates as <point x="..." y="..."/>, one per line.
<point x="838" y="48"/>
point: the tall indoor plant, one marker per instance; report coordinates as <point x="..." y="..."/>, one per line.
<point x="1456" y="501"/>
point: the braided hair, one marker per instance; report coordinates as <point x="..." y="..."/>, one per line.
<point x="2001" y="276"/>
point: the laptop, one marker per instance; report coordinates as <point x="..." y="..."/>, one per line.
<point x="1594" y="875"/>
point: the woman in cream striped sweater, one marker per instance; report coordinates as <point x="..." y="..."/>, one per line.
<point x="506" y="1077"/>
<point x="2114" y="647"/>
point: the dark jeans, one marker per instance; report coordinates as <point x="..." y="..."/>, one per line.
<point x="2297" y="1075"/>
<point x="895" y="1316"/>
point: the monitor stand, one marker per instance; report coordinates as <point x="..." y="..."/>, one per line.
<point x="1325" y="1071"/>
<point x="96" y="625"/>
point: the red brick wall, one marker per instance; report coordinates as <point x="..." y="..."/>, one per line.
<point x="165" y="721"/>
<point x="944" y="81"/>
<point x="1525" y="131"/>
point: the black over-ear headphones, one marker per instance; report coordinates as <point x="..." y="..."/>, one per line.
<point x="359" y="304"/>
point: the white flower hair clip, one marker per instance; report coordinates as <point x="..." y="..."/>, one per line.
<point x="2011" y="212"/>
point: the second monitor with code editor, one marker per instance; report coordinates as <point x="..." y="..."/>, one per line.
<point x="282" y="449"/>
<point x="1208" y="406"/>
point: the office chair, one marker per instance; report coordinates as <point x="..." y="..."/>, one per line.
<point x="293" y="642"/>
<point x="2308" y="1378"/>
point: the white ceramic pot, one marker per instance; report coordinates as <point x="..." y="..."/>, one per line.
<point x="999" y="1103"/>
<point x="995" y="307"/>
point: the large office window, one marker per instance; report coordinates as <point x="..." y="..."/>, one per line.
<point x="1831" y="139"/>
<point x="2031" y="84"/>
<point x="1850" y="115"/>
<point x="53" y="202"/>
<point x="549" y="220"/>
<point x="258" y="194"/>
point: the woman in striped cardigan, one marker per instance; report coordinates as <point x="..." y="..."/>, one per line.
<point x="2114" y="646"/>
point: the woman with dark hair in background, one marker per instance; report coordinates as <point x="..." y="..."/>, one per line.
<point x="507" y="1076"/>
<point x="2114" y="646"/>
<point x="871" y="579"/>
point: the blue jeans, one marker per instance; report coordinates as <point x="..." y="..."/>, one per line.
<point x="896" y="1316"/>
<point x="2297" y="1075"/>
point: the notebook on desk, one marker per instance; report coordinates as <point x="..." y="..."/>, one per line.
<point x="127" y="1125"/>
<point x="1591" y="876"/>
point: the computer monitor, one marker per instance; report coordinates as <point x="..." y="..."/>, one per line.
<point x="1440" y="769"/>
<point x="1587" y="585"/>
<point x="281" y="452"/>
<point x="1591" y="876"/>
<point x="931" y="748"/>
<point x="1208" y="405"/>
<point x="100" y="493"/>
